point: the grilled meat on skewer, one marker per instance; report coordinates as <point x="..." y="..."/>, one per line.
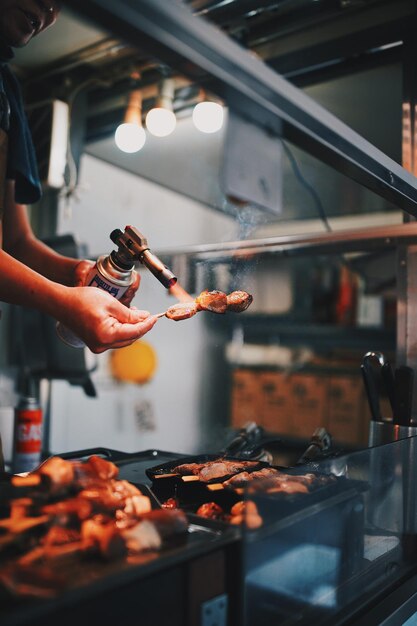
<point x="214" y="469"/>
<point x="244" y="477"/>
<point x="181" y="311"/>
<point x="214" y="301"/>
<point x="238" y="301"/>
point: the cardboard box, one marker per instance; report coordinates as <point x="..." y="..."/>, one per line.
<point x="308" y="404"/>
<point x="246" y="401"/>
<point x="276" y="408"/>
<point x="346" y="410"/>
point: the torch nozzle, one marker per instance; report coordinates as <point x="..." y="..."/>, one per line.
<point x="133" y="246"/>
<point x="158" y="269"/>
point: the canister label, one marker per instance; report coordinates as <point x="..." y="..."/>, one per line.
<point x="28" y="439"/>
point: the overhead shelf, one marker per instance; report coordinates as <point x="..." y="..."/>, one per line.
<point x="340" y="242"/>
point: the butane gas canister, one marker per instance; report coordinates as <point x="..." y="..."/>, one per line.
<point x="27" y="442"/>
<point x="107" y="274"/>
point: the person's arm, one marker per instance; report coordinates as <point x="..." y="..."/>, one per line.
<point x="29" y="275"/>
<point x="96" y="317"/>
<point x="21" y="243"/>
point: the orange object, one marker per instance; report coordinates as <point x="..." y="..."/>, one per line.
<point x="136" y="363"/>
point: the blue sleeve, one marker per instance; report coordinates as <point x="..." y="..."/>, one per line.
<point x="21" y="163"/>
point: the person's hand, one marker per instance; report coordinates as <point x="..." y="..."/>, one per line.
<point x="83" y="268"/>
<point x="101" y="321"/>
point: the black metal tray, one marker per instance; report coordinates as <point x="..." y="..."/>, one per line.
<point x="132" y="465"/>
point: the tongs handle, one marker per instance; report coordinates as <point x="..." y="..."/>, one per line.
<point x="320" y="442"/>
<point x="247" y="437"/>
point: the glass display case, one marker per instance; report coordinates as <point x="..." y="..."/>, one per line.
<point x="334" y="540"/>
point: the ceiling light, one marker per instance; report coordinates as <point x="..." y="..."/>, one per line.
<point x="208" y="117"/>
<point x="130" y="136"/>
<point x="161" y="120"/>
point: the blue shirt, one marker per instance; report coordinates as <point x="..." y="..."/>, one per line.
<point x="21" y="159"/>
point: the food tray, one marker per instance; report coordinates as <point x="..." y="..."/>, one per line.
<point x="80" y="589"/>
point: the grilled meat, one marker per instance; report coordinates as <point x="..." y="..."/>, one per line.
<point x="238" y="301"/>
<point x="182" y="311"/>
<point x="244" y="477"/>
<point x="80" y="512"/>
<point x="214" y="301"/>
<point x="287" y="486"/>
<point x="214" y="469"/>
<point x="210" y="510"/>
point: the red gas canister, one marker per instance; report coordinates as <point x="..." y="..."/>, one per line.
<point x="27" y="443"/>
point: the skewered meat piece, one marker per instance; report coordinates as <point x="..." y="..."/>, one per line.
<point x="244" y="477"/>
<point x="238" y="301"/>
<point x="289" y="486"/>
<point x="103" y="469"/>
<point x="282" y="483"/>
<point x="214" y="301"/>
<point x="70" y="511"/>
<point x="182" y="311"/>
<point x="104" y="537"/>
<point x="188" y="469"/>
<point x="58" y="473"/>
<point x="214" y="469"/>
<point x="210" y="510"/>
<point x="217" y="470"/>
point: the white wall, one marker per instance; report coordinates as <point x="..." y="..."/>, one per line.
<point x="110" y="198"/>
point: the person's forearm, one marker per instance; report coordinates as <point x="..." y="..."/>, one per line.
<point x="45" y="261"/>
<point x="100" y="320"/>
<point x="21" y="285"/>
<point x="20" y="242"/>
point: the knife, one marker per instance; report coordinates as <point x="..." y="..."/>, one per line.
<point x="404" y="380"/>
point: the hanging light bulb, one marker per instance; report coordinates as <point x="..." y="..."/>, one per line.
<point x="208" y="116"/>
<point x="130" y="136"/>
<point x="161" y="120"/>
